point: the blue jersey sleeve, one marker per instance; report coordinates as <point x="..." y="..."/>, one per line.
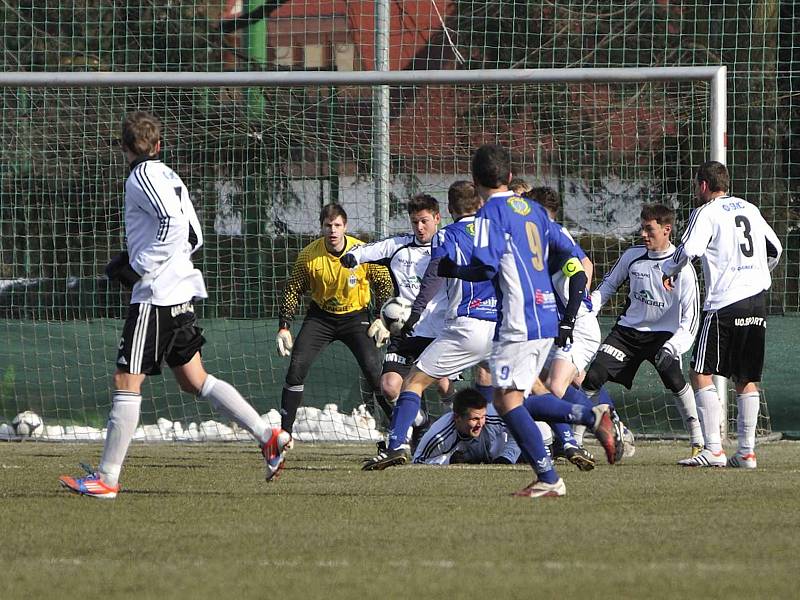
<point x="561" y="243"/>
<point x="442" y="246"/>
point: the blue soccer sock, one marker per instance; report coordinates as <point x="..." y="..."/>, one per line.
<point x="530" y="442"/>
<point x="562" y="435"/>
<point x="577" y="396"/>
<point x="552" y="409"/>
<point x="403" y="415"/>
<point x="486" y="391"/>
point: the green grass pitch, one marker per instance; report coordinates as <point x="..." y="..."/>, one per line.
<point x="198" y="521"/>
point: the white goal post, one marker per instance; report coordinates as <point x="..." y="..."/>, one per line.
<point x="380" y="81"/>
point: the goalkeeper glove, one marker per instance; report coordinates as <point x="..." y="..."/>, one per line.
<point x="348" y="260"/>
<point x="378" y="332"/>
<point x="284" y="342"/>
<point x="119" y="269"/>
<point x="564" y="337"/>
<point x="664" y="357"/>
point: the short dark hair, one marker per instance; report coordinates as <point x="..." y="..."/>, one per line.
<point x="331" y="211"/>
<point x="462" y="198"/>
<point x="491" y="166"/>
<point x="466" y="399"/>
<point x="546" y="196"/>
<point x="518" y="185"/>
<point x="420" y="202"/>
<point x="660" y="213"/>
<point x="716" y="175"/>
<point x="141" y="132"/>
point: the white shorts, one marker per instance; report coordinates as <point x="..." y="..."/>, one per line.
<point x="516" y="365"/>
<point x="463" y="343"/>
<point x="586" y="340"/>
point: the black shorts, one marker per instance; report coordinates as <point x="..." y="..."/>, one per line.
<point x="622" y="353"/>
<point x="320" y="329"/>
<point x="731" y="340"/>
<point x="153" y="333"/>
<point x="402" y="352"/>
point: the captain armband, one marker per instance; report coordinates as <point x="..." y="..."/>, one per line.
<point x="572" y="267"/>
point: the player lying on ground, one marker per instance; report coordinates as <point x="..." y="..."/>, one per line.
<point x="471" y="433"/>
<point x="739" y="250"/>
<point x="339" y="310"/>
<point x="162" y="233"/>
<point x="656" y="326"/>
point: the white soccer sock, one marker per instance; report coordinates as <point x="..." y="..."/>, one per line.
<point x="746" y="421"/>
<point x="420" y="418"/>
<point x="547" y="433"/>
<point x="225" y="399"/>
<point x="709" y="409"/>
<point x="684" y="401"/>
<point x="122" y="421"/>
<point x="578" y="431"/>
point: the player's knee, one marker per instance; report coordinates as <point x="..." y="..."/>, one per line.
<point x="557" y="387"/>
<point x="127" y="381"/>
<point x="672" y="377"/>
<point x="391" y="384"/>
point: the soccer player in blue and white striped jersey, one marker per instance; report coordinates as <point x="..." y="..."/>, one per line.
<point x="513" y="239"/>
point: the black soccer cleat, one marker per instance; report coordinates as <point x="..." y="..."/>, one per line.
<point x="388" y="458"/>
<point x="579" y="457"/>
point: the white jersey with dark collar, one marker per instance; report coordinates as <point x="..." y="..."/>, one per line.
<point x="407" y="260"/>
<point x="650" y="307"/>
<point x="733" y="240"/>
<point x="162" y="232"/>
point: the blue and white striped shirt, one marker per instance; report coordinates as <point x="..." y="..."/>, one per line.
<point x="514" y="238"/>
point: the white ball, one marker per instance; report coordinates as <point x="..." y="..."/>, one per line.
<point x="27" y="424"/>
<point x="395" y="313"/>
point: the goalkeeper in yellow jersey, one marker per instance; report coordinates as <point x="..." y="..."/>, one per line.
<point x="339" y="310"/>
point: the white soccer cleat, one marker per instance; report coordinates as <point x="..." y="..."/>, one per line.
<point x="628" y="442"/>
<point x="742" y="461"/>
<point x="706" y="458"/>
<point x="540" y="489"/>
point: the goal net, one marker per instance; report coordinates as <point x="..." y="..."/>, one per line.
<point x="260" y="154"/>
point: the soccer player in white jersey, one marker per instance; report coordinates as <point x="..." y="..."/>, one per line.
<point x="513" y="238"/>
<point x="471" y="433"/>
<point x="656" y="326"/>
<point x="162" y="233"/>
<point x="739" y="250"/>
<point x="407" y="257"/>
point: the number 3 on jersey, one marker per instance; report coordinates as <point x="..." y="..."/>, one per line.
<point x="744" y="224"/>
<point x="535" y="244"/>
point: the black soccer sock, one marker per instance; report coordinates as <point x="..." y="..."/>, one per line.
<point x="291" y="398"/>
<point x="385" y="406"/>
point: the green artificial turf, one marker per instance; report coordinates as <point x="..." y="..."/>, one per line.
<point x="198" y="521"/>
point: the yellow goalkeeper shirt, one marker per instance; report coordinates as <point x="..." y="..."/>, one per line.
<point x="334" y="288"/>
